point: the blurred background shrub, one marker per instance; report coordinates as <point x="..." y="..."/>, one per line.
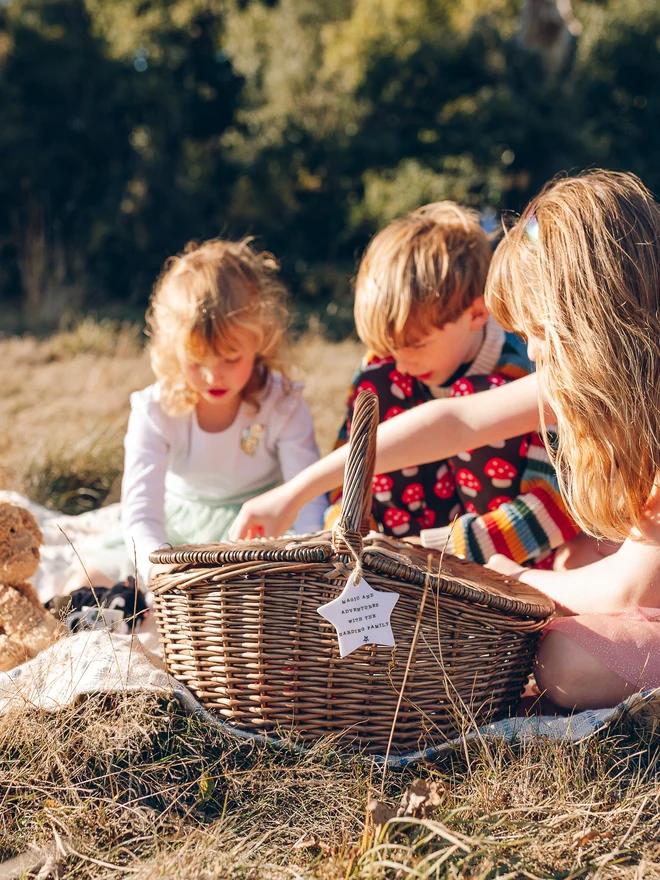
<point x="132" y="126"/>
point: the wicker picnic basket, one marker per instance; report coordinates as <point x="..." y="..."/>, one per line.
<point x="239" y="626"/>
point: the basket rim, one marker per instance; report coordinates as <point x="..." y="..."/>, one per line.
<point x="506" y="595"/>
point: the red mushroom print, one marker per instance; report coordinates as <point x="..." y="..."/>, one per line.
<point x="444" y="486"/>
<point x="365" y="386"/>
<point x="498" y="501"/>
<point x="413" y="496"/>
<point x="410" y="471"/>
<point x="402" y="384"/>
<point x="392" y="411"/>
<point x="468" y="482"/>
<point x="465" y="456"/>
<point x="546" y="563"/>
<point x="397" y="521"/>
<point x="470" y="508"/>
<point x="382" y="487"/>
<point x="426" y="519"/>
<point x="455" y="512"/>
<point x="461" y="388"/>
<point x="501" y="472"/>
<point x="530" y="442"/>
<point x="496" y="381"/>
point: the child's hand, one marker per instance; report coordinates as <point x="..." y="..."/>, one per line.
<point x="267" y="515"/>
<point x="505" y="566"/>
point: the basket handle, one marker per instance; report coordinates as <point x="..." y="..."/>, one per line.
<point x="356" y="502"/>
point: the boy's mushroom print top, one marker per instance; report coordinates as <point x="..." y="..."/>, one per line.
<point x="502" y="498"/>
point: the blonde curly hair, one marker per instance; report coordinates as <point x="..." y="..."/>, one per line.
<point x="204" y="302"/>
<point x="579" y="274"/>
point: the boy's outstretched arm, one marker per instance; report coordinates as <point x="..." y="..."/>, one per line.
<point x="430" y="432"/>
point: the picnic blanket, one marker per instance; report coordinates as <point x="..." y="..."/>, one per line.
<point x="75" y="543"/>
<point x="100" y="662"/>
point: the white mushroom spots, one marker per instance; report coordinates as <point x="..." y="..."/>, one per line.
<point x="461" y="388"/>
<point x="392" y="412"/>
<point x="465" y="456"/>
<point x="444" y="486"/>
<point x="498" y="501"/>
<point x="501" y="472"/>
<point x="468" y="482"/>
<point x="410" y="471"/>
<point x="365" y="386"/>
<point x="402" y="384"/>
<point x="413" y="496"/>
<point x="496" y="381"/>
<point x="397" y="521"/>
<point x="382" y="487"/>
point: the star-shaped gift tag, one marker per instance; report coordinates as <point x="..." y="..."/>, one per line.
<point x="361" y="616"/>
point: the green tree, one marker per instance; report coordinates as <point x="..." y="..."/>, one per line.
<point x="111" y="147"/>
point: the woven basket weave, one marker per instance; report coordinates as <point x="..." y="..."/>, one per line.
<point x="239" y="626"/>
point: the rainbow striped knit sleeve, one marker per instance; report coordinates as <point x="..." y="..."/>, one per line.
<point x="535" y="522"/>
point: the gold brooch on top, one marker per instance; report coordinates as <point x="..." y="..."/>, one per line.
<point x="250" y="438"/>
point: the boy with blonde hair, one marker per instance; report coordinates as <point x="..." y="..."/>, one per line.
<point x="419" y="309"/>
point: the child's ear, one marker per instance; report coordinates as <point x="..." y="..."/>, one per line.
<point x="479" y="314"/>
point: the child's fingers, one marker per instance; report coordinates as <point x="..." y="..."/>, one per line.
<point x="243" y="525"/>
<point x="236" y="530"/>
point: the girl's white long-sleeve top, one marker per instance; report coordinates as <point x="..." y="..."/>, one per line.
<point x="172" y="454"/>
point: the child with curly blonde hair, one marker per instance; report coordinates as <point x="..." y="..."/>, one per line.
<point x="579" y="277"/>
<point x="222" y="423"/>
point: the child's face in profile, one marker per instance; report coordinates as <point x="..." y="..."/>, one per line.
<point x="221" y="378"/>
<point x="435" y="357"/>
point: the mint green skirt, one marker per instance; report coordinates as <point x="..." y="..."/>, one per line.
<point x="189" y="519"/>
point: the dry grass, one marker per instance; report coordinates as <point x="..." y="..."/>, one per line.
<point x="64" y="406"/>
<point x="133" y="787"/>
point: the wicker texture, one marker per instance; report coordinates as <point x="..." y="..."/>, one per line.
<point x="239" y="626"/>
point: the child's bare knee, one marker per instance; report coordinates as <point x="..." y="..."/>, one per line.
<point x="559" y="671"/>
<point x="573" y="678"/>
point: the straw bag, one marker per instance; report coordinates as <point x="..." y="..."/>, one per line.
<point x="240" y="626"/>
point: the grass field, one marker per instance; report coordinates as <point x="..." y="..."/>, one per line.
<point x="133" y="787"/>
<point x="64" y="406"/>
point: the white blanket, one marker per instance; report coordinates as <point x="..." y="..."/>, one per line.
<point x="71" y="542"/>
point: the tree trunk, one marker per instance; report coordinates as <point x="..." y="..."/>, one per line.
<point x="48" y="290"/>
<point x="550" y="28"/>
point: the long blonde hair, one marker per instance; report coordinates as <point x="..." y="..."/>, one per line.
<point x="204" y="302"/>
<point x="580" y="275"/>
<point x="419" y="273"/>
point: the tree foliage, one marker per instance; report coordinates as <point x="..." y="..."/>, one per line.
<point x="131" y="126"/>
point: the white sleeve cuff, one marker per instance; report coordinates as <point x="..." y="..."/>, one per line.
<point x="437" y="539"/>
